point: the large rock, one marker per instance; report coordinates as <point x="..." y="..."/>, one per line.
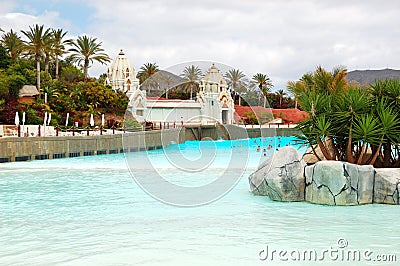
<point x="387" y="185"/>
<point x="339" y="183"/>
<point x="280" y="177"/>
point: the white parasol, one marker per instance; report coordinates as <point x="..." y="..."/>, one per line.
<point x="16" y="120"/>
<point x="91" y="120"/>
<point x="66" y="120"/>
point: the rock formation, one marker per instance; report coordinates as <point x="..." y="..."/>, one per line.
<point x="339" y="183"/>
<point x="286" y="177"/>
<point x="280" y="177"/>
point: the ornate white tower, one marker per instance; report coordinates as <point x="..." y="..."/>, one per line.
<point x="216" y="101"/>
<point x="122" y="76"/>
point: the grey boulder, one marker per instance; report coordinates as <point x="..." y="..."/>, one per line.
<point x="280" y="177"/>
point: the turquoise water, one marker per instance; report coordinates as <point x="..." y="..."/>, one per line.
<point x="90" y="211"/>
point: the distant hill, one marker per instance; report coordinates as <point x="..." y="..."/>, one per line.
<point x="369" y="76"/>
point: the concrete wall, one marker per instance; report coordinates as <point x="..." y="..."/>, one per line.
<point x="37" y="148"/>
<point x="197" y="132"/>
<point x="175" y="114"/>
<point x="236" y="132"/>
<point x="271" y="132"/>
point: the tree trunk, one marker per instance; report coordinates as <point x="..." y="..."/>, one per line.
<point x="375" y="156"/>
<point x="315" y="153"/>
<point x="38" y="73"/>
<point x="56" y="67"/>
<point x="363" y="149"/>
<point x="240" y="100"/>
<point x="46" y="63"/>
<point x="295" y="103"/>
<point x="324" y="150"/>
<point x="191" y="91"/>
<point x="265" y="100"/>
<point x="349" y="150"/>
<point x="387" y="151"/>
<point x="85" y="69"/>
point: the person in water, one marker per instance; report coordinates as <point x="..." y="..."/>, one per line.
<point x="258" y="148"/>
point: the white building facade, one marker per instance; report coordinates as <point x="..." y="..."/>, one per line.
<point x="121" y="76"/>
<point x="213" y="104"/>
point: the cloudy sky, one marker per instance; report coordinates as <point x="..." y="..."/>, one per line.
<point x="282" y="39"/>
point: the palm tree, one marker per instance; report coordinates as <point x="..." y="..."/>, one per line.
<point x="192" y="75"/>
<point x="48" y="50"/>
<point x="13" y="44"/>
<point x="293" y="88"/>
<point x="280" y="94"/>
<point x="85" y="50"/>
<point x="264" y="84"/>
<point x="59" y="48"/>
<point x="147" y="70"/>
<point x="236" y="81"/>
<point x="168" y="81"/>
<point x="144" y="74"/>
<point x="37" y="37"/>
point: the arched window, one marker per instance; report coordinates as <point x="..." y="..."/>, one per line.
<point x="127" y="72"/>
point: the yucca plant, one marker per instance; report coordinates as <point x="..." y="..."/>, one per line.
<point x="350" y="123"/>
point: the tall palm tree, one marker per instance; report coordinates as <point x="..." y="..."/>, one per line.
<point x="192" y="75"/>
<point x="293" y="88"/>
<point x="280" y="94"/>
<point x="85" y="50"/>
<point x="37" y="36"/>
<point x="144" y="74"/>
<point x="48" y="50"/>
<point x="59" y="46"/>
<point x="13" y="44"/>
<point x="264" y="84"/>
<point x="168" y="81"/>
<point x="236" y="81"/>
<point x="147" y="70"/>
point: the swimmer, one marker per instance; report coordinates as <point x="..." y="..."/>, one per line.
<point x="258" y="148"/>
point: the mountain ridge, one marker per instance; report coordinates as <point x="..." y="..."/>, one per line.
<point x="369" y="76"/>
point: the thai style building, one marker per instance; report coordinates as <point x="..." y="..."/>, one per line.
<point x="121" y="76"/>
<point x="213" y="104"/>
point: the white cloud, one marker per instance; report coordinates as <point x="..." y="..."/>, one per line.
<point x="283" y="39"/>
<point x="22" y="21"/>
